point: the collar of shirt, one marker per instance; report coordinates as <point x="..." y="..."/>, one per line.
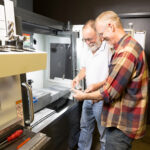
<point x="120" y="45"/>
<point x="120" y="41"/>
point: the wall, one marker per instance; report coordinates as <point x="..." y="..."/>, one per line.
<point x="79" y="11"/>
<point x="25" y="4"/>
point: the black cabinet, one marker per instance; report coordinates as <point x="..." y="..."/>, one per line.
<point x="64" y="131"/>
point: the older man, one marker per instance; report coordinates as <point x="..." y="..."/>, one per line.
<point x="125" y="90"/>
<point x="95" y="69"/>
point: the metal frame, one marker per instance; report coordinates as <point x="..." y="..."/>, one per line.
<point x="74" y="57"/>
<point x="135" y="15"/>
<point x="31" y="18"/>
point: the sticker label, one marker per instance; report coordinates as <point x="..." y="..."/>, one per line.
<point x="19" y="109"/>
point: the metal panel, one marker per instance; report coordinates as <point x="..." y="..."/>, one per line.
<point x="74" y="57"/>
<point x="33" y="18"/>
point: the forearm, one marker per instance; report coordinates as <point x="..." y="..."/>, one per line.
<point x="93" y="95"/>
<point x="80" y="96"/>
<point x="99" y="84"/>
<point x="81" y="74"/>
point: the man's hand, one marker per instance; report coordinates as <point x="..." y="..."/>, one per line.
<point x="95" y="101"/>
<point x="91" y="88"/>
<point x="79" y="95"/>
<point x="75" y="82"/>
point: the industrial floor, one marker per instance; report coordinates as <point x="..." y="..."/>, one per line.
<point x="142" y="144"/>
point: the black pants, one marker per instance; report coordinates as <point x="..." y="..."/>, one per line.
<point x="117" y="140"/>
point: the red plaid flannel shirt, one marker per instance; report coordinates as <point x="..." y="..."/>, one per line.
<point x="125" y="90"/>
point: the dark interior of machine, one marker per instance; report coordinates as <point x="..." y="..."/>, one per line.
<point x="61" y="68"/>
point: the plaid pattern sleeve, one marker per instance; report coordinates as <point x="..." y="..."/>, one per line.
<point x="125" y="91"/>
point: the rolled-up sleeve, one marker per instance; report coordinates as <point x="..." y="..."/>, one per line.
<point x="120" y="71"/>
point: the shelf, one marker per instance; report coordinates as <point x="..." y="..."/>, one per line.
<point x="14" y="63"/>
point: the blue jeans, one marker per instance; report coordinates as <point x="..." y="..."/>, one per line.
<point x="117" y="140"/>
<point x="91" y="113"/>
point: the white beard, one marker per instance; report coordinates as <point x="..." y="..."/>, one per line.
<point x="95" y="46"/>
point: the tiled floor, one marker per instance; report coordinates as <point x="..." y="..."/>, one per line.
<point x="142" y="144"/>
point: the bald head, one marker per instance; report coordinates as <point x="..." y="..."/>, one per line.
<point x="109" y="17"/>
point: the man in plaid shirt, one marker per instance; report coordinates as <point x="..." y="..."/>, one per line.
<point x="125" y="90"/>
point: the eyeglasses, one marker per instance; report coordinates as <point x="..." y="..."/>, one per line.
<point x="102" y="33"/>
<point x="87" y="40"/>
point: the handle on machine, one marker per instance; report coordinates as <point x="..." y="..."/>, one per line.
<point x="29" y="91"/>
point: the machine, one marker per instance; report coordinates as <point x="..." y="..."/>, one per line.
<point x="15" y="92"/>
<point x="37" y="103"/>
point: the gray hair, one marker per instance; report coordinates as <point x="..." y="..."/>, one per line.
<point x="90" y="23"/>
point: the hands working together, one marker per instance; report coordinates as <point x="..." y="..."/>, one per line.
<point x="80" y="95"/>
